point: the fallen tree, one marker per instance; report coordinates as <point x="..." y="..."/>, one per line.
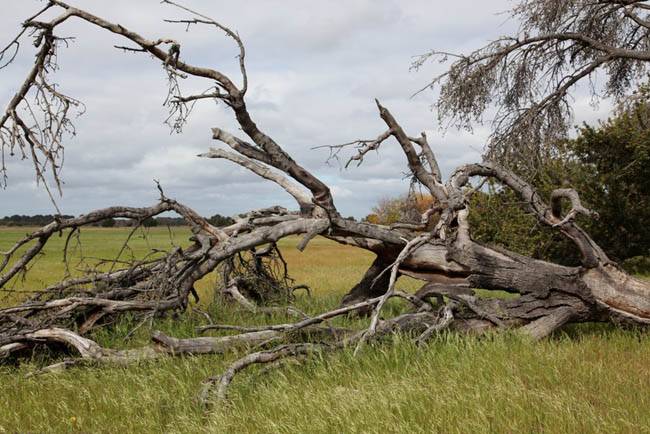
<point x="443" y="254"/>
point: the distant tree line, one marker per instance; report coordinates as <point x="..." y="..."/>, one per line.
<point x="44" y="219"/>
<point x="30" y="220"/>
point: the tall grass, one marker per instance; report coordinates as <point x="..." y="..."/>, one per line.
<point x="586" y="379"/>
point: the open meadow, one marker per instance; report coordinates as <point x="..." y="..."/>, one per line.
<point x="586" y="379"/>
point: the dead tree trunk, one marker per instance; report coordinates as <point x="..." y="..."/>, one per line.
<point x="373" y="283"/>
<point x="549" y="295"/>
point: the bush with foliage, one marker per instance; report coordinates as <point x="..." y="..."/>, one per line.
<point x="608" y="166"/>
<point x="405" y="209"/>
<point x="33" y="220"/>
<point x="219" y="220"/>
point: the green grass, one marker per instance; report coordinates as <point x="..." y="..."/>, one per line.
<point x="587" y="379"/>
<point x="97" y="243"/>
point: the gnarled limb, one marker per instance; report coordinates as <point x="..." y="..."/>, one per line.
<point x="223" y="381"/>
<point x="544" y="326"/>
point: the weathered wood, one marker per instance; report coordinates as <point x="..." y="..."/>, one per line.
<point x="211" y="345"/>
<point x="548" y="295"/>
<point x="544" y="326"/>
<point x="373" y="283"/>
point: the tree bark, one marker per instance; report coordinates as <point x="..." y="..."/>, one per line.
<point x="372" y="284"/>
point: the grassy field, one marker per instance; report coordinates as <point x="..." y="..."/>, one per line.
<point x="587" y="379"/>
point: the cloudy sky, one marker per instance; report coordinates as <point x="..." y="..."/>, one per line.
<point x="314" y="69"/>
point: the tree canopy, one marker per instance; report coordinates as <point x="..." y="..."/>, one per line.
<point x="523" y="82"/>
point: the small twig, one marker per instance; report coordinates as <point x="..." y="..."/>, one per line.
<point x="445" y="318"/>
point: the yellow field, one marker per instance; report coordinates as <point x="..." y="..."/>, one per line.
<point x="587" y="379"/>
<point x="326" y="266"/>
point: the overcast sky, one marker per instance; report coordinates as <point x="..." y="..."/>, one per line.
<point x="314" y="69"/>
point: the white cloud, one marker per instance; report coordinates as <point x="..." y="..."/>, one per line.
<point x="314" y="68"/>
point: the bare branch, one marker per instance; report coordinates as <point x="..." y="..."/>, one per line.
<point x="528" y="77"/>
<point x="428" y="179"/>
<point x="226" y="378"/>
<point x="304" y="201"/>
<point x="228" y="31"/>
<point x="394" y="268"/>
<point x="363" y="147"/>
<point x="428" y="155"/>
<point x="444" y="320"/>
